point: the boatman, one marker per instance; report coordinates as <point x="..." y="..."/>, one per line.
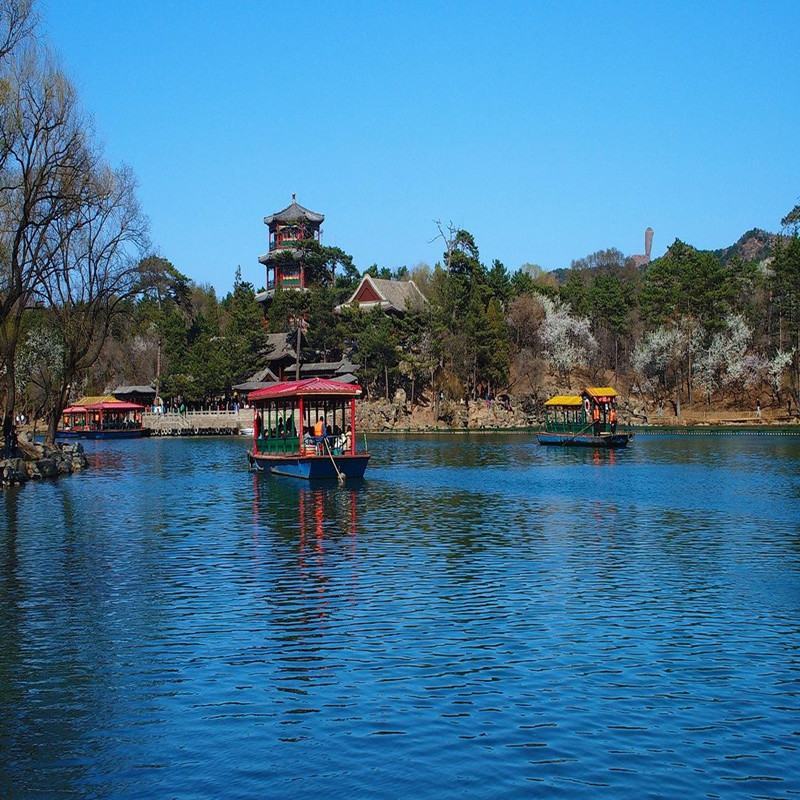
<point x="596" y="418"/>
<point x="319" y="430"/>
<point x="612" y="418"/>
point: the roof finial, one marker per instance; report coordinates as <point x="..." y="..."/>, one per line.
<point x="294" y="200"/>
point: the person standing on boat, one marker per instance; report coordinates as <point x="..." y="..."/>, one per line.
<point x="612" y="419"/>
<point x="319" y="430"/>
<point x="596" y="418"/>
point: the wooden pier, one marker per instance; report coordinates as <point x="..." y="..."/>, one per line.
<point x="198" y="423"/>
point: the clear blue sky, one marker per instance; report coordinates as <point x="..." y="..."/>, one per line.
<point x="548" y="130"/>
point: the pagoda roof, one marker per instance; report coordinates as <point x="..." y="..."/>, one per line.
<point x="282" y="252"/>
<point x="309" y="387"/>
<point x="294" y="212"/>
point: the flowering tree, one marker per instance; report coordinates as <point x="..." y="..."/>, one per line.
<point x="724" y="363"/>
<point x="567" y="341"/>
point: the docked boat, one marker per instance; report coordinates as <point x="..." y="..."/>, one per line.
<point x="307" y="429"/>
<point x="101" y="418"/>
<point x="585" y="420"/>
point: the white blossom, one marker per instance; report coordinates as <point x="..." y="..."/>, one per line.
<point x="567" y="341"/>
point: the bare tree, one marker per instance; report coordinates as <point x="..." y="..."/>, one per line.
<point x="17" y="22"/>
<point x="45" y="173"/>
<point x="93" y="270"/>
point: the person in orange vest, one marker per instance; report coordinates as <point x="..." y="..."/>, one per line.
<point x="612" y="419"/>
<point x="596" y="419"/>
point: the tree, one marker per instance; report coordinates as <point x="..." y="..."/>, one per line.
<point x="243" y="332"/>
<point x="92" y="269"/>
<point x="48" y="171"/>
<point x="567" y="341"/>
<point x="376" y="347"/>
<point x="17" y="23"/>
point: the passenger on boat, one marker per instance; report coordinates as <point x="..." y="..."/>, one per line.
<point x="612" y="418"/>
<point x="596" y="419"/>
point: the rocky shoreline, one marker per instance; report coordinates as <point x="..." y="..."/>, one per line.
<point x="41" y="461"/>
<point x="398" y="415"/>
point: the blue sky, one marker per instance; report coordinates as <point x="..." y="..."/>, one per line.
<point x="548" y="130"/>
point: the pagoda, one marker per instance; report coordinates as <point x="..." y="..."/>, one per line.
<point x="284" y="260"/>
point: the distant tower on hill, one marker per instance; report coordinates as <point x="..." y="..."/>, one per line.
<point x="283" y="260"/>
<point x="641" y="260"/>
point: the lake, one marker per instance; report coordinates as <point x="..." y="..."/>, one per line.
<point x="480" y="617"/>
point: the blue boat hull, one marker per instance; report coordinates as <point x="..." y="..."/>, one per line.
<point x="135" y="433"/>
<point x="311" y="467"/>
<point x="585" y="439"/>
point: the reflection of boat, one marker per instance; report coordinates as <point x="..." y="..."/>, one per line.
<point x="585" y="420"/>
<point x="306" y="429"/>
<point x="101" y="418"/>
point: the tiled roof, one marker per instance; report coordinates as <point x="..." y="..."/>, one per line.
<point x="294" y="212"/>
<point x="309" y="387"/>
<point x="394" y="295"/>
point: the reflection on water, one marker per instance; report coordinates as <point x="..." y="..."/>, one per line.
<point x="480" y="616"/>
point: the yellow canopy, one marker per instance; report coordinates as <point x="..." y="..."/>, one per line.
<point x="564" y="400"/>
<point x="600" y="391"/>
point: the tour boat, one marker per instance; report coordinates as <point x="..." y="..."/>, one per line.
<point x="585" y="420"/>
<point x="307" y="429"/>
<point x="101" y="418"/>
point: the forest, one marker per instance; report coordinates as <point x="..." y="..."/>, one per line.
<point x="87" y="304"/>
<point x="690" y="327"/>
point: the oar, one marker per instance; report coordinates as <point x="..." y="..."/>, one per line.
<point x="578" y="433"/>
<point x="339" y="475"/>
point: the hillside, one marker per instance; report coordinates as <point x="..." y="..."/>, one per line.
<point x="754" y="245"/>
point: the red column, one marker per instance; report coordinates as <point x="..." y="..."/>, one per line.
<point x="255" y="429"/>
<point x="302" y="431"/>
<point x="352" y="426"/>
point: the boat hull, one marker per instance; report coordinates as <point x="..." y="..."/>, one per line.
<point x="132" y="434"/>
<point x="585" y="439"/>
<point x="311" y="467"/>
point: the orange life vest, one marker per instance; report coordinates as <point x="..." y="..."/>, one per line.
<point x="318" y="428"/>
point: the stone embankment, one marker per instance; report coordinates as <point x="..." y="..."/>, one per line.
<point x="41" y="462"/>
<point x="398" y="415"/>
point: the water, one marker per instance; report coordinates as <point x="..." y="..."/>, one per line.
<point x="480" y="617"/>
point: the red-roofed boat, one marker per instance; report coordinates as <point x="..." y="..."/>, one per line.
<point x="101" y="418"/>
<point x="307" y="429"/>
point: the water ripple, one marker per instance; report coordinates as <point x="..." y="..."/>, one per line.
<point x="481" y="617"/>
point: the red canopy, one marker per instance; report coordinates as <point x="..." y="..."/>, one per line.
<point x="103" y="406"/>
<point x="318" y="387"/>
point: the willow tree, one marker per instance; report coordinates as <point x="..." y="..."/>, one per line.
<point x="91" y="272"/>
<point x="46" y="167"/>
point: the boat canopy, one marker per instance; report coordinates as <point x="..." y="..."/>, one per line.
<point x="311" y="387"/>
<point x="103" y="406"/>
<point x="565" y="400"/>
<point x="600" y="391"/>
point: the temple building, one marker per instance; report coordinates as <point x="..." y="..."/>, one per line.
<point x="283" y="260"/>
<point x="393" y="297"/>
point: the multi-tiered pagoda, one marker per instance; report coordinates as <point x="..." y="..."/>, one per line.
<point x="284" y="261"/>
